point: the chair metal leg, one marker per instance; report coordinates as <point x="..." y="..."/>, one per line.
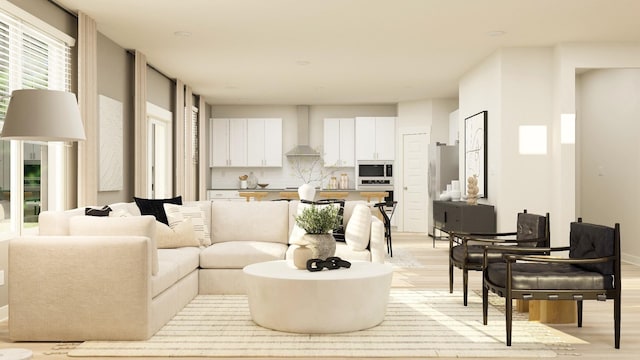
<point x="616" y="320"/>
<point x="450" y="276"/>
<point x="509" y="316"/>
<point x="390" y="245"/>
<point x="485" y="304"/>
<point x="465" y="285"/>
<point x="579" y="306"/>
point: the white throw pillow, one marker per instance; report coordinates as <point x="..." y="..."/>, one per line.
<point x="358" y="228"/>
<point x="118" y="226"/>
<point x="182" y="235"/>
<point x="177" y="213"/>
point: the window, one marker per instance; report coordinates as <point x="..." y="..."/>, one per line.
<point x="30" y="58"/>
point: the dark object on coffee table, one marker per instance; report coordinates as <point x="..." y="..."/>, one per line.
<point x="330" y="263"/>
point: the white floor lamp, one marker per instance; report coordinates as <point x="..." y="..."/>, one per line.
<point x="40" y="115"/>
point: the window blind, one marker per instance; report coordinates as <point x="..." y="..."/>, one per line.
<point x="194" y="135"/>
<point x="30" y="59"/>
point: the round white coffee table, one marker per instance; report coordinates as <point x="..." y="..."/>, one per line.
<point x="328" y="301"/>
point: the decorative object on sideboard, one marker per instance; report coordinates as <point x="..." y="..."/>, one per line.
<point x="262" y="186"/>
<point x="475" y="150"/>
<point x="455" y="192"/>
<point x="472" y="190"/>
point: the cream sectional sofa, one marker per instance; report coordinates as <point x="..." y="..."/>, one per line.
<point x="94" y="278"/>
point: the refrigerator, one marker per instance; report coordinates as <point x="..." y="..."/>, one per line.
<point x="443" y="168"/>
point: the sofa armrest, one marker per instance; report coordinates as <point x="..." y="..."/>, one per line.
<point x="71" y="288"/>
<point x="377" y="241"/>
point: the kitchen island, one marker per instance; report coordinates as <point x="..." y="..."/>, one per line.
<point x="289" y="193"/>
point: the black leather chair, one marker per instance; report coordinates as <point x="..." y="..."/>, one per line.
<point x="466" y="250"/>
<point x="591" y="272"/>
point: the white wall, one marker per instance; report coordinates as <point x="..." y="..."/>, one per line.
<point x="513" y="85"/>
<point x="481" y="89"/>
<point x="227" y="178"/>
<point x="610" y="164"/>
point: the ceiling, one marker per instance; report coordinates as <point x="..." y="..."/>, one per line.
<point x="343" y="51"/>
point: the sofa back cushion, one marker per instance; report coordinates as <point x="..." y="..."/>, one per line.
<point x="118" y="226"/>
<point x="249" y="221"/>
<point x="53" y="223"/>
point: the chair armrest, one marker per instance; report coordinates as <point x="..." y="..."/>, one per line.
<point x="551" y="259"/>
<point x="71" y="288"/>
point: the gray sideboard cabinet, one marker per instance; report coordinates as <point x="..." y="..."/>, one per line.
<point x="460" y="216"/>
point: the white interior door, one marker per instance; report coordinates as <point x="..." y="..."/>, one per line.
<point x="160" y="153"/>
<point x="414" y="204"/>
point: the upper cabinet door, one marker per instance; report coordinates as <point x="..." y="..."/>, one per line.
<point x="366" y="138"/>
<point x="237" y="142"/>
<point x="375" y="138"/>
<point x="273" y="142"/>
<point x="219" y="142"/>
<point x="347" y="142"/>
<point x="228" y="142"/>
<point x="264" y="142"/>
<point x="339" y="147"/>
<point x="385" y="138"/>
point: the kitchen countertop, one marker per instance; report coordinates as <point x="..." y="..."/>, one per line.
<point x="288" y="189"/>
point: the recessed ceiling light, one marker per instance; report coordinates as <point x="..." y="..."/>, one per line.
<point x="496" y="33"/>
<point x="182" y="33"/>
<point x="303" y="62"/>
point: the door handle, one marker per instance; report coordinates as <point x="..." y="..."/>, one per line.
<point x="406" y="188"/>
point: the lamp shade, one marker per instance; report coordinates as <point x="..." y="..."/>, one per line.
<point x="43" y="115"/>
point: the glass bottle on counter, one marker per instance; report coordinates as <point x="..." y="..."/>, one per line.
<point x="252" y="181"/>
<point x="344" y="181"/>
<point x="333" y="183"/>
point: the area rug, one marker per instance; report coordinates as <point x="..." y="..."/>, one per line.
<point x="418" y="323"/>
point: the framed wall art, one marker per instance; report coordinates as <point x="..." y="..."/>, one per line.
<point x="475" y="150"/>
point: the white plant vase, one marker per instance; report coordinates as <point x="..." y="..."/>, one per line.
<point x="307" y="192"/>
<point x="322" y="245"/>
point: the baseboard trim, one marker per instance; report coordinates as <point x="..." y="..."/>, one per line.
<point x="4" y="313"/>
<point x="631" y="259"/>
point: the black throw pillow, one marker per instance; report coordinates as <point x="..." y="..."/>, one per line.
<point x="155" y="207"/>
<point x="104" y="211"/>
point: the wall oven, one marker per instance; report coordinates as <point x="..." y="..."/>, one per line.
<point x="374" y="175"/>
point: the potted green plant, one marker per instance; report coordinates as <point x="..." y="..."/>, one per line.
<point x="318" y="221"/>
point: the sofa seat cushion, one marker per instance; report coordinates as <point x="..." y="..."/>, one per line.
<point x="238" y="254"/>
<point x="174" y="264"/>
<point x="265" y="221"/>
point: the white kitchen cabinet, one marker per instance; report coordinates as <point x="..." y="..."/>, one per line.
<point x="32" y="151"/>
<point x="339" y="142"/>
<point x="264" y="142"/>
<point x="375" y="138"/>
<point x="228" y="142"/>
<point x="224" y="195"/>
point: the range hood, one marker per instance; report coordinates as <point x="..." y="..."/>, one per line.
<point x="303" y="148"/>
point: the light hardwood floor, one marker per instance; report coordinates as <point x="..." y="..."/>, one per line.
<point x="593" y="341"/>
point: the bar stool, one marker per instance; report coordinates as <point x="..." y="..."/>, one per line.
<point x="377" y="195"/>
<point x="387" y="209"/>
<point x="289" y="195"/>
<point x="257" y="195"/>
<point x="333" y="194"/>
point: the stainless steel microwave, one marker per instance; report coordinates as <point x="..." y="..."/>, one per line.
<point x="375" y="173"/>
